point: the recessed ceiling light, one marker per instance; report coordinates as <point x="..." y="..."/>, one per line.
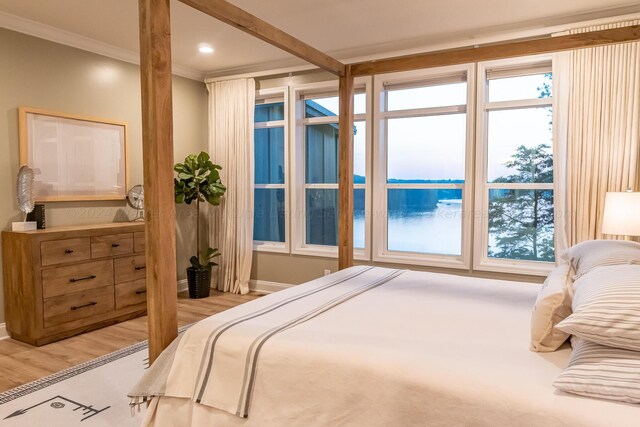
<point x="205" y="48"/>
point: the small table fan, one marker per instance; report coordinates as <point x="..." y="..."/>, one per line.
<point x="135" y="199"/>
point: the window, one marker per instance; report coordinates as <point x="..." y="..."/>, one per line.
<point x="270" y="158"/>
<point x="515" y="180"/>
<point x="317" y="153"/>
<point x="421" y="192"/>
<point x="437" y="153"/>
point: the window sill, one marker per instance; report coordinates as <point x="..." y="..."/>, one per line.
<point x="327" y="252"/>
<point x="271" y="247"/>
<point x="408" y="258"/>
<point x="531" y="268"/>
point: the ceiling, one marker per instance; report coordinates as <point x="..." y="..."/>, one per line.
<point x="342" y="28"/>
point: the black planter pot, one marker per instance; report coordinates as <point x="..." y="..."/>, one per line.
<point x="199" y="280"/>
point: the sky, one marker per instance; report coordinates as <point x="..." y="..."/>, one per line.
<point x="433" y="148"/>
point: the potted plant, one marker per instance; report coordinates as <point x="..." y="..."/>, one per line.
<point x="199" y="180"/>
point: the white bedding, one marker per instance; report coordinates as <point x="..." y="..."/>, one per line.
<point x="420" y="349"/>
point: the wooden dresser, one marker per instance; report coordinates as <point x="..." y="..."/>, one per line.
<point x="63" y="281"/>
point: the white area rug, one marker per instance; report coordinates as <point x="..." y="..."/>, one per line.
<point x="93" y="394"/>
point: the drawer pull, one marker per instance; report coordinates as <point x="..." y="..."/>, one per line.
<point x="68" y="251"/>
<point x="140" y="267"/>
<point x="73" y="307"/>
<point x="73" y="279"/>
<point x="141" y="291"/>
<point x="115" y="245"/>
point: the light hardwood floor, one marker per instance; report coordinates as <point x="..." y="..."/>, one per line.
<point x="21" y="363"/>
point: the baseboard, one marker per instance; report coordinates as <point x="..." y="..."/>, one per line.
<point x="3" y="331"/>
<point x="266" y="287"/>
<point x="183" y="285"/>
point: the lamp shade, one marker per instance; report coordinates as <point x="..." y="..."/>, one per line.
<point x="622" y="214"/>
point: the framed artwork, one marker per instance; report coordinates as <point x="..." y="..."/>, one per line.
<point x="74" y="157"/>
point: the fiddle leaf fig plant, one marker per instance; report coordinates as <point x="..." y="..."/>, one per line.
<point x="204" y="261"/>
<point x="198" y="179"/>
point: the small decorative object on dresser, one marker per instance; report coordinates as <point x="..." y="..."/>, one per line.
<point x="199" y="180"/>
<point x="24" y="189"/>
<point x="135" y="199"/>
<point x="64" y="281"/>
<point x="38" y="215"/>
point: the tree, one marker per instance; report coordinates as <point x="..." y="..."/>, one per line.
<point x="522" y="220"/>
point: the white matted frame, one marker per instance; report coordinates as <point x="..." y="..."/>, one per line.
<point x="298" y="122"/>
<point x="507" y="68"/>
<point x="426" y="77"/>
<point x="74" y="157"/>
<point x="268" y="96"/>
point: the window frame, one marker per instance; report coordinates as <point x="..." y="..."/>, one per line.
<point x="380" y="240"/>
<point x="512" y="67"/>
<point x="267" y="96"/>
<point x="298" y="122"/>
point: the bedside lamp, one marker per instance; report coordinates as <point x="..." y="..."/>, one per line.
<point x="622" y="214"/>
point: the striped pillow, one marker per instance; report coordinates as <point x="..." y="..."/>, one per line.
<point x="588" y="255"/>
<point x="552" y="306"/>
<point x="606" y="307"/>
<point x="604" y="372"/>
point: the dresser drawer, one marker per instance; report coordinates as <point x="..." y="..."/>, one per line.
<point x="138" y="241"/>
<point x="79" y="305"/>
<point x="111" y="245"/>
<point x="131" y="293"/>
<point x="74" y="278"/>
<point x="130" y="268"/>
<point x="65" y="251"/>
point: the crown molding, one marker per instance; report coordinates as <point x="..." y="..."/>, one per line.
<point x="56" y="35"/>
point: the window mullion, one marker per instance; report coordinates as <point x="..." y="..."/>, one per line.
<point x="518" y="104"/>
<point x="424" y="112"/>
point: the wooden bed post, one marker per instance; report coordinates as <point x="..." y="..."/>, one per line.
<point x="345" y="174"/>
<point x="157" y="147"/>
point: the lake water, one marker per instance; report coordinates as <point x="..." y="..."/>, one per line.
<point x="435" y="232"/>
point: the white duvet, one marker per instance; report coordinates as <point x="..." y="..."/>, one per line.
<point x="375" y="347"/>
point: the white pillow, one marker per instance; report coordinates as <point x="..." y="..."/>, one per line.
<point x="606" y="307"/>
<point x="604" y="372"/>
<point x="552" y="306"/>
<point x="588" y="255"/>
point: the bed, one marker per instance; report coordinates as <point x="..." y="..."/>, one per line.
<point x="371" y="346"/>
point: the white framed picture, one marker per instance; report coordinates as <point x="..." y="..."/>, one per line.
<point x="74" y="157"/>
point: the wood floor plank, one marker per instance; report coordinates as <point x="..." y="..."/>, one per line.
<point x="21" y="363"/>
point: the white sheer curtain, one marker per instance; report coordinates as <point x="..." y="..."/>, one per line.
<point x="601" y="110"/>
<point x="561" y="86"/>
<point x="231" y="109"/>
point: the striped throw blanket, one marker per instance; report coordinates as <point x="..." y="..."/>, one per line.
<point x="216" y="362"/>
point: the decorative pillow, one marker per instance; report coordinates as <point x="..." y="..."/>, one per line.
<point x="606" y="307"/>
<point x="588" y="255"/>
<point x="552" y="306"/>
<point x="604" y="372"/>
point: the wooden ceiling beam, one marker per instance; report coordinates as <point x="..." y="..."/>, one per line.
<point x="495" y="51"/>
<point x="234" y="16"/>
